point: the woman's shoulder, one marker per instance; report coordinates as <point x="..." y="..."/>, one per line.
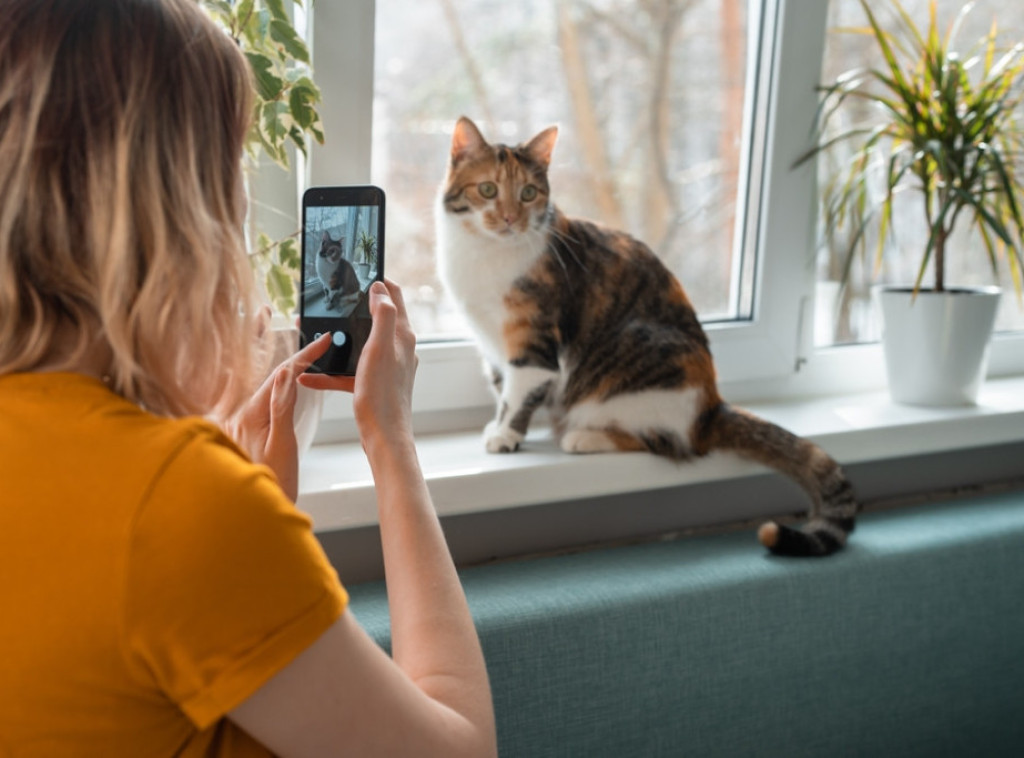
<point x="199" y="466"/>
<point x="191" y="445"/>
<point x="197" y="440"/>
<point x="109" y="445"/>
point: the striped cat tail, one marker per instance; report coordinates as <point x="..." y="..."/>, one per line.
<point x="834" y="506"/>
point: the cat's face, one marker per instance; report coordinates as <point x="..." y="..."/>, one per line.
<point x="330" y="249"/>
<point x="497" y="191"/>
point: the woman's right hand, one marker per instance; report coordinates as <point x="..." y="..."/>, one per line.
<point x="382" y="386"/>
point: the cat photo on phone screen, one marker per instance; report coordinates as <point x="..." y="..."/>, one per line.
<point x="341" y="285"/>
<point x="342" y="255"/>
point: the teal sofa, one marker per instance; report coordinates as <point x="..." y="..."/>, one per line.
<point x="908" y="643"/>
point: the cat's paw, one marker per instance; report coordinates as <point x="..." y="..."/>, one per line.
<point x="498" y="440"/>
<point x="587" y="441"/>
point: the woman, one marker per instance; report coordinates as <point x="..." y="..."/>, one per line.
<point x="161" y="595"/>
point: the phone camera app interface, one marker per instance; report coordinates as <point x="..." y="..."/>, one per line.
<point x="341" y="262"/>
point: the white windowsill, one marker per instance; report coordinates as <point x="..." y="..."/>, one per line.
<point x="337" y="490"/>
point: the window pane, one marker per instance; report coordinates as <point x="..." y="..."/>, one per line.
<point x="850" y="316"/>
<point x="650" y="100"/>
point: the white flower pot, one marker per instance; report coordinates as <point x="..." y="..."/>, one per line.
<point x="936" y="343"/>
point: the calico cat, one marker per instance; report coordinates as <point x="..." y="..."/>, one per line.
<point x="338" y="276"/>
<point x="589" y="322"/>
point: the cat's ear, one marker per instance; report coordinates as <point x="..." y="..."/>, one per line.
<point x="466" y="139"/>
<point x="541" y="146"/>
<point x="326" y="237"/>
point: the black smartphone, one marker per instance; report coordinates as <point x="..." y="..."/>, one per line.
<point x="342" y="255"/>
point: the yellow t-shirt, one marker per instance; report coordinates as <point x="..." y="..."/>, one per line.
<point x="151" y="577"/>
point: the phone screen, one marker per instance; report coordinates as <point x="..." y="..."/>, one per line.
<point x="342" y="255"/>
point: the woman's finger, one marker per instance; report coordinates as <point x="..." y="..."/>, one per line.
<point x="280" y="451"/>
<point x="328" y="382"/>
<point x="263" y="319"/>
<point x="308" y="355"/>
<point x="384" y="312"/>
<point x="262" y="398"/>
<point x="282" y="398"/>
<point x="397" y="296"/>
<point x="259" y="399"/>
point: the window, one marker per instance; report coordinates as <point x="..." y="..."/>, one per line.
<point x="737" y="112"/>
<point x="650" y="99"/>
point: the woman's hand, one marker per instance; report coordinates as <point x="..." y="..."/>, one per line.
<point x="264" y="426"/>
<point x="382" y="386"/>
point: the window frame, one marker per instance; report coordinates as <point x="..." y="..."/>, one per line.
<point x="769" y="356"/>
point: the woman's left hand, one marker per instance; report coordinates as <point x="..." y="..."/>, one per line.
<point x="264" y="425"/>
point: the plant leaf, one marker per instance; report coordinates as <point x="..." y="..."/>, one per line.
<point x="300" y="101"/>
<point x="277" y="9"/>
<point x="281" y="288"/>
<point x="282" y="31"/>
<point x="244" y="13"/>
<point x="288" y="253"/>
<point x="898" y="82"/>
<point x="268" y="85"/>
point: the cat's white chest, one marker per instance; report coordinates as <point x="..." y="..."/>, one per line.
<point x="477" y="274"/>
<point x="325" y="269"/>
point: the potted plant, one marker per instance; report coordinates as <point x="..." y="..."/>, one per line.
<point x="944" y="125"/>
<point x="366" y="255"/>
<point x="285" y="113"/>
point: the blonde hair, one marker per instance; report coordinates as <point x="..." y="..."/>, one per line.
<point x="122" y="205"/>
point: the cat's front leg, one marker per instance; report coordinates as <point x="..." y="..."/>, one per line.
<point x="523" y="390"/>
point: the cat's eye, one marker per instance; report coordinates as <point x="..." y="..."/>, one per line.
<point x="528" y="193"/>
<point x="487" y="189"/>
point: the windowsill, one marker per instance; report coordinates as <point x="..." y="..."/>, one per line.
<point x="337" y="489"/>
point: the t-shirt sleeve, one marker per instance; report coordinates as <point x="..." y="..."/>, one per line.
<point x="225" y="582"/>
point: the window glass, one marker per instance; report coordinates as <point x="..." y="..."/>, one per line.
<point x="848" y="314"/>
<point x="649" y="97"/>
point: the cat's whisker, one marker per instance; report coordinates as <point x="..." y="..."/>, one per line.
<point x="571" y="243"/>
<point x="561" y="262"/>
<point x="555" y="232"/>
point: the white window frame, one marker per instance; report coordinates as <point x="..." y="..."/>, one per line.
<point x="769" y="356"/>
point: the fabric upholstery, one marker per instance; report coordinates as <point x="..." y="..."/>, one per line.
<point x="908" y="643"/>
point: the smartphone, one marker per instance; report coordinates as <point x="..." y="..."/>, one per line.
<point x="342" y="255"/>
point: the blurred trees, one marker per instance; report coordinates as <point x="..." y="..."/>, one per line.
<point x="649" y="95"/>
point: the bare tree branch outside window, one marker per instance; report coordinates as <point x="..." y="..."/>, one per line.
<point x="648" y="95"/>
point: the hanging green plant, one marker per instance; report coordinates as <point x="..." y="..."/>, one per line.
<point x="285" y="113"/>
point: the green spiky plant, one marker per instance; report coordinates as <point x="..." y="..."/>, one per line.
<point x="285" y="113"/>
<point x="367" y="247"/>
<point x="942" y="124"/>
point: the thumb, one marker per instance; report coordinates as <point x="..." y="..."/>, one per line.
<point x="382" y="307"/>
